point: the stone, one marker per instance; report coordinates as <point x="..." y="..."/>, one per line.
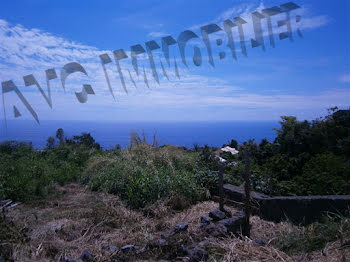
<point x="180" y="227"/>
<point x="127" y="248"/>
<point x="234" y="224"/>
<point x="158" y="243"/>
<point x="216" y="230"/>
<point x="86" y="256"/>
<point x="205" y="220"/>
<point x="113" y="249"/>
<point x="260" y="242"/>
<point x="167" y="234"/>
<point x="197" y="254"/>
<point x="217" y="215"/>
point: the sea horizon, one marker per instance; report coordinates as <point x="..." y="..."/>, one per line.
<point x="109" y="134"/>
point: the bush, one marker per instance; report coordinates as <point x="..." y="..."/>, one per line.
<point x="324" y="174"/>
<point x="143" y="175"/>
<point x="26" y="173"/>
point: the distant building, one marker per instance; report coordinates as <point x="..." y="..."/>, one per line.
<point x="232" y="150"/>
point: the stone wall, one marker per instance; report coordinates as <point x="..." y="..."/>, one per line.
<point x="300" y="209"/>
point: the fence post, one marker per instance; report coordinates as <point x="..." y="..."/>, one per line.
<point x="221" y="188"/>
<point x="247" y="189"/>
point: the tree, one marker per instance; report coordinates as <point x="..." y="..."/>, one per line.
<point x="60" y="135"/>
<point x="234" y="143"/>
<point x="324" y="174"/>
<point x="87" y="140"/>
<point x="50" y="142"/>
<point x="293" y="135"/>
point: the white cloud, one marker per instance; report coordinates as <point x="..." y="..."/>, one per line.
<point x="24" y="51"/>
<point x="308" y="20"/>
<point x="345" y="78"/>
<point x="157" y="34"/>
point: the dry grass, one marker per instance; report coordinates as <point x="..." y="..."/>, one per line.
<point x="247" y="250"/>
<point x="78" y="219"/>
<point x="75" y="220"/>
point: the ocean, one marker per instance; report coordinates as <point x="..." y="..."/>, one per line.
<point x="109" y="134"/>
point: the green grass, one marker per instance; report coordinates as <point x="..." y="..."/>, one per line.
<point x="144" y="174"/>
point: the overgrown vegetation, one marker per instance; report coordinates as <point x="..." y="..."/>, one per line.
<point x="144" y="174"/>
<point x="306" y="158"/>
<point x="26" y="173"/>
<point x="315" y="236"/>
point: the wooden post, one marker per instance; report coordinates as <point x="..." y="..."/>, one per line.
<point x="221" y="188"/>
<point x="247" y="189"/>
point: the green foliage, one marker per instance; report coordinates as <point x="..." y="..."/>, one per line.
<point x="26" y="173"/>
<point x="306" y="158"/>
<point x="324" y="174"/>
<point x="60" y="135"/>
<point x="85" y="139"/>
<point x="144" y="174"/>
<point x="50" y="142"/>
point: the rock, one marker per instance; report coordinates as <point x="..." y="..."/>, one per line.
<point x="234" y="224"/>
<point x="260" y="242"/>
<point x="86" y="256"/>
<point x="216" y="230"/>
<point x="113" y="249"/>
<point x="197" y="254"/>
<point x="127" y="248"/>
<point x="167" y="234"/>
<point x="180" y="227"/>
<point x="217" y="215"/>
<point x="205" y="220"/>
<point x="158" y="243"/>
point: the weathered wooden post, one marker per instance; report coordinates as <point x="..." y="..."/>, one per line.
<point x="247" y="189"/>
<point x="221" y="187"/>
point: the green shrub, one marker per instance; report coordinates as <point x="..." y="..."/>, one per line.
<point x="26" y="173"/>
<point x="143" y="174"/>
<point x="324" y="174"/>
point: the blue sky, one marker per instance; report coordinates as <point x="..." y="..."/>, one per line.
<point x="302" y="78"/>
